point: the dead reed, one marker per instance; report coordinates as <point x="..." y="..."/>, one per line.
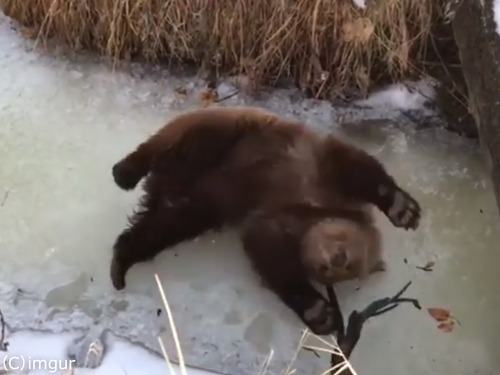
<point x="343" y="368"/>
<point x="325" y="46"/>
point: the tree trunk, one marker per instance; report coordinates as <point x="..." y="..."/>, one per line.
<point x="479" y="46"/>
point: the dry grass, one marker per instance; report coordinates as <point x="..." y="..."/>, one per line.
<point x="343" y="368"/>
<point x="323" y="45"/>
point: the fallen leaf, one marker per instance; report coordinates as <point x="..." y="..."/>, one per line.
<point x="447" y="326"/>
<point x="241" y="81"/>
<point x="358" y="31"/>
<point x="29" y="32"/>
<point x="181" y="92"/>
<point x="42" y="49"/>
<point x="209" y="97"/>
<point x="439" y="314"/>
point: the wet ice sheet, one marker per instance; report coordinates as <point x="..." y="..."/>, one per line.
<point x="63" y="125"/>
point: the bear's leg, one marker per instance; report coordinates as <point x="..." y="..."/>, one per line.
<point x="154" y="228"/>
<point x="363" y="177"/>
<point x="128" y="171"/>
<point x="275" y="257"/>
<point x="309" y="305"/>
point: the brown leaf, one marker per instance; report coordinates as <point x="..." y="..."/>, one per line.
<point x="209" y="97"/>
<point x="439" y="314"/>
<point x="358" y="31"/>
<point x="181" y="92"/>
<point x="446" y="326"/>
<point x="29" y="32"/>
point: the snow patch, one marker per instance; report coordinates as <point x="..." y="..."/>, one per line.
<point x="496" y="14"/>
<point x="360" y="3"/>
<point x="401" y="96"/>
<point x="121" y="357"/>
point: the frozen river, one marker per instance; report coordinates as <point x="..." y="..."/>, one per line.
<point x="64" y="123"/>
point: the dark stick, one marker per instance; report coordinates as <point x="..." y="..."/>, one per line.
<point x="334" y="303"/>
<point x="5" y="198"/>
<point x="347" y="340"/>
<point x="3" y="345"/>
<point x="228" y="96"/>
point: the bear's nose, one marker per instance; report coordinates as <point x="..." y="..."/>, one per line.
<point x="339" y="259"/>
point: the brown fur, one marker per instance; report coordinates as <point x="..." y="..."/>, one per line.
<point x="284" y="246"/>
<point x="338" y="249"/>
<point x="212" y="167"/>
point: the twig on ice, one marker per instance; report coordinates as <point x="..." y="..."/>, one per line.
<point x="3" y="344"/>
<point x="347" y="340"/>
<point x="6" y="195"/>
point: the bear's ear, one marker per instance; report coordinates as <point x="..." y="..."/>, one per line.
<point x="339" y="257"/>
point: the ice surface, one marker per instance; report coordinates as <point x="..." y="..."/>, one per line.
<point x="45" y="353"/>
<point x="65" y="121"/>
<point x="403" y="97"/>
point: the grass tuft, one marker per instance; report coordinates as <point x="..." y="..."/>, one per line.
<point x="324" y="46"/>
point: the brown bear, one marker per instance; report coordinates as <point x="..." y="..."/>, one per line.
<point x="292" y="245"/>
<point x="212" y="167"/>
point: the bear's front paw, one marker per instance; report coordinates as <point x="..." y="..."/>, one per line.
<point x="320" y="318"/>
<point x="403" y="211"/>
<point x="125" y="175"/>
